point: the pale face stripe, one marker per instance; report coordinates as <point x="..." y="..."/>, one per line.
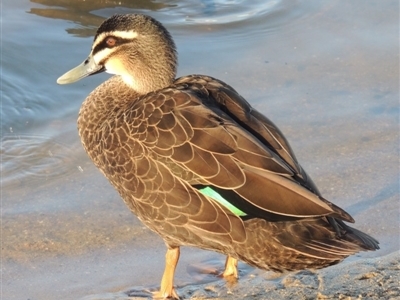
<point x="102" y="55"/>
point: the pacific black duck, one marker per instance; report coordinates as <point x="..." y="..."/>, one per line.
<point x="197" y="164"/>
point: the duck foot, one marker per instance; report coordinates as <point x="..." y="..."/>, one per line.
<point x="167" y="290"/>
<point x="231" y="268"/>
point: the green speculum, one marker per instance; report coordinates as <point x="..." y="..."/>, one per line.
<point x="209" y="192"/>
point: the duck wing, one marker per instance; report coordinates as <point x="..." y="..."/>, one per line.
<point x="209" y="136"/>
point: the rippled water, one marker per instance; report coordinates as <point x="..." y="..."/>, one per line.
<point x="34" y="157"/>
<point x="325" y="71"/>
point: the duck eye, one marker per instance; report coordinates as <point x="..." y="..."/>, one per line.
<point x="111" y="42"/>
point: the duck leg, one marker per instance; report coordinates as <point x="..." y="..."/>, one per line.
<point x="167" y="290"/>
<point x="231" y="267"/>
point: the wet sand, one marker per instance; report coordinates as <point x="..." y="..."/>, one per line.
<point x="329" y="80"/>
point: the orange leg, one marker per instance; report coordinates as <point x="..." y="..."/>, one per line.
<point x="167" y="283"/>
<point x="231" y="267"/>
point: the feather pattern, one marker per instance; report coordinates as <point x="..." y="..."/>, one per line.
<point x="161" y="148"/>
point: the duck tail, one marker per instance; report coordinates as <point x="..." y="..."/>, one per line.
<point x="358" y="237"/>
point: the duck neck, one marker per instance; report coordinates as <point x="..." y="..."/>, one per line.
<point x="145" y="78"/>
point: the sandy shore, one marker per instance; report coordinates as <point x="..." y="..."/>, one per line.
<point x="374" y="278"/>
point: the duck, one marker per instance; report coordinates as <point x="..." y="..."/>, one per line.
<point x="197" y="164"/>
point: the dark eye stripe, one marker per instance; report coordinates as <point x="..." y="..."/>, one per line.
<point x="103" y="43"/>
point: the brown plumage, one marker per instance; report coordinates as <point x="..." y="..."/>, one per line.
<point x="174" y="147"/>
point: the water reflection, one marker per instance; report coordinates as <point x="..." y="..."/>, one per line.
<point x="201" y="15"/>
<point x="81" y="12"/>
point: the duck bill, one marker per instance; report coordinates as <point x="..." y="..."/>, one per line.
<point x="87" y="68"/>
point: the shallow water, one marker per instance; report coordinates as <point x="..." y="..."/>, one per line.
<point x="325" y="71"/>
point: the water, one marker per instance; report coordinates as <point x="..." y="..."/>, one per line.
<point x="325" y="71"/>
